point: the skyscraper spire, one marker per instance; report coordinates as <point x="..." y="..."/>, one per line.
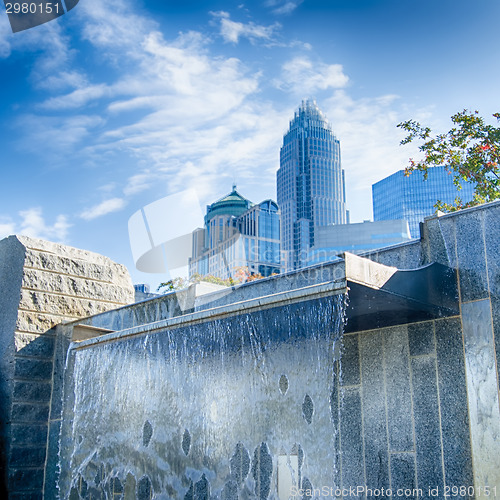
<point x="310" y="182"/>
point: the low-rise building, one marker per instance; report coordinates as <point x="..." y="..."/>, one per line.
<point x="356" y="238"/>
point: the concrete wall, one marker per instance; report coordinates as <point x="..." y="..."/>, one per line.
<point x="43" y="284"/>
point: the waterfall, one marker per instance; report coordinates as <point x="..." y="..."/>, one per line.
<point x="234" y="407"/>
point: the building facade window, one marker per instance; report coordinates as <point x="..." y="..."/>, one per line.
<point x="310" y="182"/>
<point x="237" y="234"/>
<point x="413" y="198"/>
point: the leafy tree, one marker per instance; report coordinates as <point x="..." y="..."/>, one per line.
<point x="174" y="284"/>
<point x="241" y="275"/>
<point x="210" y="278"/>
<point x="470" y="151"/>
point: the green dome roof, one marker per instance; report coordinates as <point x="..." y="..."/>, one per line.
<point x="232" y="204"/>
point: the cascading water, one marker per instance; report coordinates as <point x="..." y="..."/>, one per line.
<point x="238" y="407"/>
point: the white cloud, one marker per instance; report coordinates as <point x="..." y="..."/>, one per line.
<point x="104" y="208"/>
<point x="283" y="6"/>
<point x="56" y="54"/>
<point x="232" y="31"/>
<point x="33" y="224"/>
<point x="190" y="110"/>
<point x="114" y="25"/>
<point x="5" y="37"/>
<point x="139" y="182"/>
<point x="53" y="57"/>
<point x="78" y="98"/>
<point x="108" y="188"/>
<point x="56" y="135"/>
<point x="369" y="142"/>
<point x="7" y="227"/>
<point x="63" y="79"/>
<point x="303" y="77"/>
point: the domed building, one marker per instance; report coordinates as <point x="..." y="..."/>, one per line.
<point x="237" y="234"/>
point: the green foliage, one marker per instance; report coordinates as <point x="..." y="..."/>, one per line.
<point x="241" y="276"/>
<point x="175" y="284"/>
<point x="209" y="278"/>
<point x="470" y="151"/>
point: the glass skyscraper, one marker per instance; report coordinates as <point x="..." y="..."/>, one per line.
<point x="310" y="183"/>
<point x="413" y="198"/>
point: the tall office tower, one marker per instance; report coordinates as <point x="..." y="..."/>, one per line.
<point x="310" y="183"/>
<point x="413" y="198"/>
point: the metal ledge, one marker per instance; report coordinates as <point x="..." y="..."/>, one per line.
<point x="381" y="296"/>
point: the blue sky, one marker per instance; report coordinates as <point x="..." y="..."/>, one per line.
<point x="118" y="103"/>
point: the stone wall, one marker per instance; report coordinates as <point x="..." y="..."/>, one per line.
<point x="43" y="284"/>
<point x="469" y="241"/>
<point x="402" y="412"/>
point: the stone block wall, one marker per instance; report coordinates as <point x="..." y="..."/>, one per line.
<point x="43" y="284"/>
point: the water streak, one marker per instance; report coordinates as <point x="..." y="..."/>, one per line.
<point x="174" y="413"/>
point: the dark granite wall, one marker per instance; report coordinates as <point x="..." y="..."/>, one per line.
<point x="467" y="350"/>
<point x="403" y="409"/>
